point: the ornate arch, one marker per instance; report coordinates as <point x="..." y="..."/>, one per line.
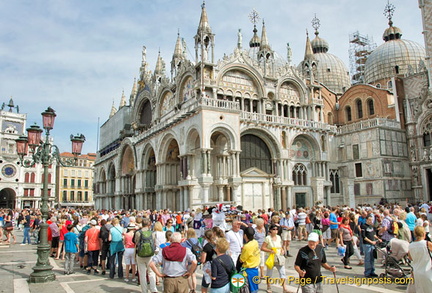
<point x="305" y="147"/>
<point x="247" y="72"/>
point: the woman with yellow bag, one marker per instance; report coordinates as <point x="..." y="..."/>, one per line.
<point x="273" y="246"/>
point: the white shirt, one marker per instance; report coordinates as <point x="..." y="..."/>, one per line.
<point x="235" y="240"/>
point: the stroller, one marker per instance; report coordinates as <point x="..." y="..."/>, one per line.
<point x="395" y="258"/>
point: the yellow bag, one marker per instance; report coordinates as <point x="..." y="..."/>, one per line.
<point x="271" y="259"/>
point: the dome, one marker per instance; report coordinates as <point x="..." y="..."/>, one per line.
<point x="395" y="53"/>
<point x="332" y="72"/>
<point x="319" y="45"/>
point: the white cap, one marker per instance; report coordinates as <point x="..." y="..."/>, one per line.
<point x="313" y="237"/>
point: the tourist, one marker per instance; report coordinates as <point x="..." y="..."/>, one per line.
<point x="346" y="239"/>
<point x="308" y="263"/>
<point x="250" y="258"/>
<point x="129" y="254"/>
<point x="207" y="256"/>
<point x="26" y="227"/>
<point x="169" y="226"/>
<point x="259" y="236"/>
<point x="116" y="248"/>
<point x="370" y="238"/>
<point x="71" y="248"/>
<point x="235" y="239"/>
<point x="419" y="254"/>
<point x="334" y="226"/>
<point x="92" y="247"/>
<point x="221" y="268"/>
<point x="143" y="262"/>
<point x="177" y="262"/>
<point x="104" y="235"/>
<point x="287" y="224"/>
<point x="273" y="245"/>
<point x="190" y="241"/>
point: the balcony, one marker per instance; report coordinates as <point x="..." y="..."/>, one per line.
<point x="285" y="121"/>
<point x="367" y="124"/>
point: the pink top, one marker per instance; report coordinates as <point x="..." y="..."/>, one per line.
<point x="128" y="243"/>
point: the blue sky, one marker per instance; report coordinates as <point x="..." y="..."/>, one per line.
<point x="78" y="55"/>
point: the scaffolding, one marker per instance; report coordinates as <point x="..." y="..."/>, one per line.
<point x="360" y="49"/>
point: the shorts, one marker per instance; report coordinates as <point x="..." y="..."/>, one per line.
<point x="55" y="242"/>
<point x="318" y="231"/>
<point x="262" y="258"/>
<point x="286" y="235"/>
<point x="129" y="256"/>
<point x="301" y="229"/>
<point x="326" y="234"/>
<point x="104" y="250"/>
<point x="334" y="233"/>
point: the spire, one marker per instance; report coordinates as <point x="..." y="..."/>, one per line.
<point x="204" y="25"/>
<point x="143" y="67"/>
<point x="255" y="41"/>
<point x="308" y="50"/>
<point x="133" y="92"/>
<point x="160" y="66"/>
<point x="113" y="110"/>
<point x="178" y="50"/>
<point x="122" y="100"/>
<point x="264" y="41"/>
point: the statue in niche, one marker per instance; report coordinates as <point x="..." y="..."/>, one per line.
<point x="413" y="153"/>
<point x="415" y="175"/>
<point x="425" y="155"/>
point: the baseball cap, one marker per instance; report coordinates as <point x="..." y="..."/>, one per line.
<point x="313" y="237"/>
<point x="93" y="222"/>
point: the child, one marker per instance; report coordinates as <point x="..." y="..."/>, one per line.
<point x="71" y="248"/>
<point x="168" y="237"/>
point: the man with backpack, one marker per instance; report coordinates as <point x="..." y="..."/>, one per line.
<point x="386" y="228"/>
<point x="144" y="240"/>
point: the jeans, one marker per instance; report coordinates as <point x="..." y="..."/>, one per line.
<point x="119" y="257"/>
<point x="69" y="263"/>
<point x="26" y="235"/>
<point x="368" y="259"/>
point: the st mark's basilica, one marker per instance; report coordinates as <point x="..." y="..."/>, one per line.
<point x="252" y="129"/>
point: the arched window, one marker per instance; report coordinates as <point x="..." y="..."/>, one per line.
<point x="390" y="85"/>
<point x="334" y="178"/>
<point x="255" y="153"/>
<point x="378" y="86"/>
<point x="27" y="178"/>
<point x="33" y="178"/>
<point x="359" y="109"/>
<point x="348" y="113"/>
<point x="299" y="174"/>
<point x="371" y="107"/>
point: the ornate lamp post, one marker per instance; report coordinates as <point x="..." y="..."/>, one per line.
<point x="45" y="153"/>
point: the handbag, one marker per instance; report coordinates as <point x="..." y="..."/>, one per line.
<point x="8" y="226"/>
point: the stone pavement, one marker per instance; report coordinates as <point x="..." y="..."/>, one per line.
<point x="16" y="264"/>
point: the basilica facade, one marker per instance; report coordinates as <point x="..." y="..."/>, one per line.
<point x="253" y="130"/>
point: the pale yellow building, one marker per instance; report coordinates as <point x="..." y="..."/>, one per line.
<point x="75" y="184"/>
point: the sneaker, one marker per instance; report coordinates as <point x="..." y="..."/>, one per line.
<point x="22" y="244"/>
<point x="88" y="272"/>
<point x="126" y="280"/>
<point x="103" y="273"/>
<point x="373" y="275"/>
<point x="133" y="280"/>
<point x="96" y="272"/>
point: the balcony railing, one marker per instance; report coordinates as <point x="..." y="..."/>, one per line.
<point x="221" y="104"/>
<point x="370" y="123"/>
<point x="291" y="122"/>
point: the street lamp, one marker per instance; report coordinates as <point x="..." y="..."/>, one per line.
<point x="45" y="153"/>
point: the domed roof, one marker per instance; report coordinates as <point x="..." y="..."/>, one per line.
<point x="319" y="45"/>
<point x="332" y="72"/>
<point x="394" y="53"/>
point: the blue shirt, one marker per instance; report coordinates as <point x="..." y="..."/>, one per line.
<point x="410" y="220"/>
<point x="333" y="218"/>
<point x="70" y="242"/>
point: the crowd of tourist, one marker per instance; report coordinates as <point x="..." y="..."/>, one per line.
<point x="169" y="247"/>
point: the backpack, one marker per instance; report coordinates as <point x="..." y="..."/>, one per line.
<point x="230" y="274"/>
<point x="393" y="228"/>
<point x="146" y="246"/>
<point x="104" y="234"/>
<point x="196" y="250"/>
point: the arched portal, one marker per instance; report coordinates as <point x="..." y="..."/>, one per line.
<point x="256" y="172"/>
<point x="220" y="168"/>
<point x="170" y="176"/>
<point x="149" y="177"/>
<point x="7" y="198"/>
<point x="127" y="179"/>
